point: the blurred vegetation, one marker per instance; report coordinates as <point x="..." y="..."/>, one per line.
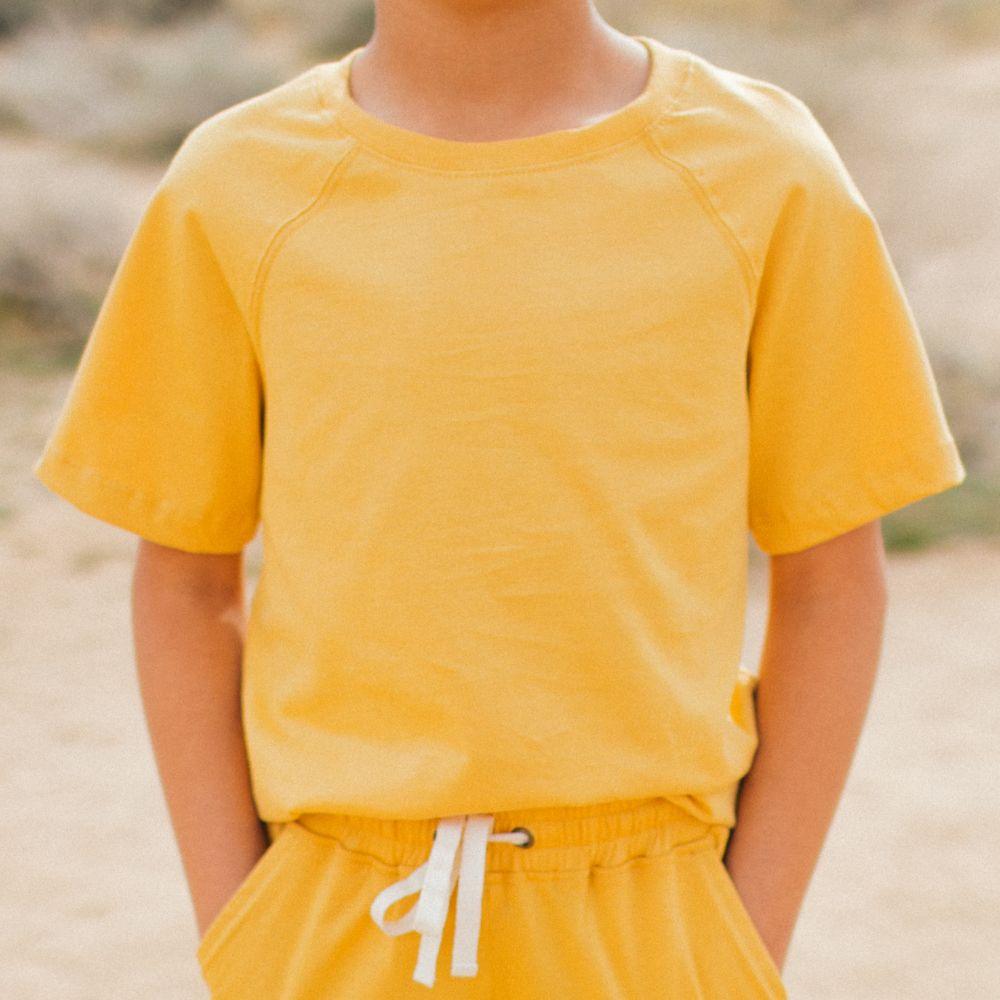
<point x="94" y="98"/>
<point x="969" y="21"/>
<point x="972" y="402"/>
<point x="128" y="94"/>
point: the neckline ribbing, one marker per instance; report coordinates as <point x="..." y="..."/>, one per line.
<point x="665" y="77"/>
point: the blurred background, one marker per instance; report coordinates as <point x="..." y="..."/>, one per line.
<point x="95" y="97"/>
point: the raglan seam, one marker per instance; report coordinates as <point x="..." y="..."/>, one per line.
<point x="281" y="234"/>
<point x="681" y="92"/>
<point x="700" y="191"/>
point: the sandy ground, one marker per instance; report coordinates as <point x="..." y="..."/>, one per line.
<point x="93" y="903"/>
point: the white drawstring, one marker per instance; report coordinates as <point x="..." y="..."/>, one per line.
<point x="435" y="881"/>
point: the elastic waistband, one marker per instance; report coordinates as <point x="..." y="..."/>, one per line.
<point x="602" y="834"/>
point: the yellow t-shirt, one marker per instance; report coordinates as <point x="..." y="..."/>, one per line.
<point x="505" y="412"/>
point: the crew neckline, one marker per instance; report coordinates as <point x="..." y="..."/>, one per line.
<point x="667" y="71"/>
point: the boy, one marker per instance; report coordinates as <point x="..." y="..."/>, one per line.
<point x="506" y="327"/>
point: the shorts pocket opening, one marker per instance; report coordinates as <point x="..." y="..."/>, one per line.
<point x="244" y="897"/>
<point x="747" y="927"/>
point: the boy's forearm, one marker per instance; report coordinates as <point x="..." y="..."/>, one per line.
<point x="188" y="630"/>
<point x="817" y="671"/>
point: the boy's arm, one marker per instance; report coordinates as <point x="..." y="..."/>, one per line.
<point x="188" y="625"/>
<point x="817" y="671"/>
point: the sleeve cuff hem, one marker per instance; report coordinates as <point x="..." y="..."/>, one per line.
<point x="150" y="517"/>
<point x="876" y="501"/>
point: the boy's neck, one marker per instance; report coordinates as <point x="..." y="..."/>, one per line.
<point x="476" y="70"/>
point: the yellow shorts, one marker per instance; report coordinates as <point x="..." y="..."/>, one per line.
<point x="626" y="900"/>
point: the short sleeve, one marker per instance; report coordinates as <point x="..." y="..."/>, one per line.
<point x="846" y="423"/>
<point x="160" y="433"/>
